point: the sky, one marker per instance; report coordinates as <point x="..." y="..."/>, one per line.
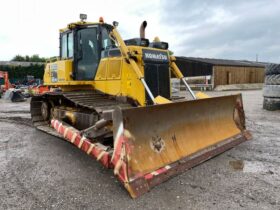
<point x="239" y="29"/>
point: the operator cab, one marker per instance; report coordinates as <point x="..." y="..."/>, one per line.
<point x="83" y="42"/>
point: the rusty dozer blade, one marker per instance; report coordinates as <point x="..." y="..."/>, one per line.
<point x="156" y="142"/>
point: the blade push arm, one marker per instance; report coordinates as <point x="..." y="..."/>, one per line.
<point x="179" y="75"/>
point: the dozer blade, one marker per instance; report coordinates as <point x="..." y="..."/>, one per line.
<point x="156" y="142"/>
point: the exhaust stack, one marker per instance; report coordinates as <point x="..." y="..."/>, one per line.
<point x="142" y="29"/>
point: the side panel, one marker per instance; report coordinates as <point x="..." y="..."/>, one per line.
<point x="103" y="81"/>
<point x="115" y="77"/>
<point x="64" y="70"/>
<point x="131" y="85"/>
<point x="114" y="68"/>
<point x="109" y="69"/>
<point x="58" y="72"/>
<point x="102" y="70"/>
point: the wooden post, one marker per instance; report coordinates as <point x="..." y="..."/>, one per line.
<point x="228" y="78"/>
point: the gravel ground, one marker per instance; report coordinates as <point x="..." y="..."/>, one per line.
<point x="41" y="171"/>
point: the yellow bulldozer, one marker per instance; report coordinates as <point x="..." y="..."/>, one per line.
<point x="112" y="99"/>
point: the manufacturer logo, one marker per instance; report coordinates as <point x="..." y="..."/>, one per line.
<point x="155" y="56"/>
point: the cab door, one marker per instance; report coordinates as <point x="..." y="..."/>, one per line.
<point x="87" y="55"/>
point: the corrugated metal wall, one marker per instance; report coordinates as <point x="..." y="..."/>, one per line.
<point x="225" y="75"/>
<point x="192" y="68"/>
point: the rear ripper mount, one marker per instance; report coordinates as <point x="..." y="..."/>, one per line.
<point x="135" y="158"/>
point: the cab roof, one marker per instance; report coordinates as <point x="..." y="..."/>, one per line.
<point x="71" y="26"/>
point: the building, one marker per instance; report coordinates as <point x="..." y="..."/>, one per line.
<point x="222" y="72"/>
<point x="20" y="63"/>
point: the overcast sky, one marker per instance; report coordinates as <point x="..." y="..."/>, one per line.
<point x="237" y="29"/>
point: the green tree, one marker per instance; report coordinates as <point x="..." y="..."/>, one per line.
<point x="18" y="58"/>
<point x="33" y="58"/>
<point x="27" y="58"/>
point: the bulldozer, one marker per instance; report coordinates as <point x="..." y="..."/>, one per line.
<point x="112" y="99"/>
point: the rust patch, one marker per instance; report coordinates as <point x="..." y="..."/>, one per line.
<point x="239" y="115"/>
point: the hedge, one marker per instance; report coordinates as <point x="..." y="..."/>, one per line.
<point x="18" y="73"/>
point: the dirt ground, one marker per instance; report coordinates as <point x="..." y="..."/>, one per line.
<point x="41" y="171"/>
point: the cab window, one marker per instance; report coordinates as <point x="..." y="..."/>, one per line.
<point x="107" y="43"/>
<point x="70" y="45"/>
<point x="67" y="45"/>
<point x="64" y="46"/>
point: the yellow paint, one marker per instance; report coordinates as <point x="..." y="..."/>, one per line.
<point x="71" y="116"/>
<point x="63" y="69"/>
<point x="114" y="76"/>
<point x="102" y="70"/>
<point x="120" y="82"/>
<point x="162" y="100"/>
<point x="175" y="68"/>
<point x="71" y="26"/>
<point x="118" y="76"/>
<point x="179" y="130"/>
<point x="201" y="95"/>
